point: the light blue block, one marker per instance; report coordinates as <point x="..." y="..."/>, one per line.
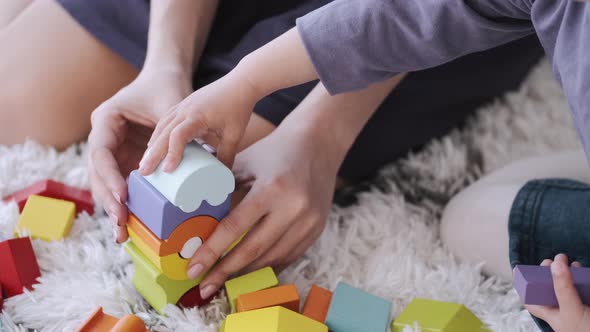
<point x="354" y="310"/>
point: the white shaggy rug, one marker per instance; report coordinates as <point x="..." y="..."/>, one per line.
<point x="387" y="244"/>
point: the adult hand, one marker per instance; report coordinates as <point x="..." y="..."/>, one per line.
<point x="571" y="315"/>
<point x="291" y="177"/>
<point x="217" y="114"/>
<point x="121" y="128"/>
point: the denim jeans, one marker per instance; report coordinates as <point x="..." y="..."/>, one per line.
<point x="549" y="217"/>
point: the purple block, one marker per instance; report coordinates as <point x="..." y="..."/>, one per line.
<point x="534" y="284"/>
<point x="157" y="213"/>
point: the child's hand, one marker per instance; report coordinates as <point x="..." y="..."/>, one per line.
<point x="217" y="114"/>
<point x="572" y="315"/>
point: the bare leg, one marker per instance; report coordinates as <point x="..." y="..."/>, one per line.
<point x="475" y="223"/>
<point x="10" y="9"/>
<point x="53" y="74"/>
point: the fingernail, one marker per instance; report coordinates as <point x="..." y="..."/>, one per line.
<point x="195" y="271"/>
<point x="114" y="219"/>
<point x="144" y="158"/>
<point x="208" y="291"/>
<point x="556" y="268"/>
<point x="116" y="234"/>
<point x="117" y="198"/>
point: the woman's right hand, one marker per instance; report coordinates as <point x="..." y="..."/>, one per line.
<point x="121" y="128"/>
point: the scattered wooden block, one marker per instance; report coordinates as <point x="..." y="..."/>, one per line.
<point x="157" y="289"/>
<point x="200" y="177"/>
<point x="19" y="267"/>
<point x="273" y="319"/>
<point x="101" y="322"/>
<point x="152" y="208"/>
<point x="438" y="316"/>
<point x="534" y="284"/>
<point x="200" y="226"/>
<point x="193" y="298"/>
<point x="353" y="310"/>
<point x="317" y="303"/>
<point x="46" y="218"/>
<point x="284" y="296"/>
<point x="248" y="283"/>
<point x="49" y="188"/>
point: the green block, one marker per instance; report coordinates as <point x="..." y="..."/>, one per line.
<point x="157" y="289"/>
<point x="248" y="283"/>
<point x="438" y="316"/>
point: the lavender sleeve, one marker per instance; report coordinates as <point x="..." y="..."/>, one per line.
<point x="353" y="43"/>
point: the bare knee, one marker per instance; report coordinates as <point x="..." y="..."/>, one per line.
<point x="474" y="226"/>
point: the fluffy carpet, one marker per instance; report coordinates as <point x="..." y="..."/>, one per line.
<point x="387" y="243"/>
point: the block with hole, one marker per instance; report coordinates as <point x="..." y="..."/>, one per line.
<point x="534" y="284"/>
<point x="353" y="309"/>
<point x="438" y="316"/>
<point x="248" y="283"/>
<point x="46" y="218"/>
<point x="152" y="208"/>
<point x="19" y="268"/>
<point x="284" y="296"/>
<point x="101" y="322"/>
<point x="272" y="319"/>
<point x="317" y="303"/>
<point x="49" y="188"/>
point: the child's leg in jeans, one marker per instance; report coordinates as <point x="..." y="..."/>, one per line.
<point x="475" y="223"/>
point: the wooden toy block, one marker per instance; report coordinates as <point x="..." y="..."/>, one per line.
<point x="200" y="226"/>
<point x="159" y="214"/>
<point x="101" y="322"/>
<point x="534" y="284"/>
<point x="317" y="303"/>
<point x="284" y="296"/>
<point x="193" y="298"/>
<point x="438" y="316"/>
<point x="199" y="177"/>
<point x="46" y="218"/>
<point x="248" y="283"/>
<point x="153" y="285"/>
<point x="49" y="188"/>
<point x="1" y="298"/>
<point x="18" y="266"/>
<point x="273" y="319"/>
<point x="353" y="310"/>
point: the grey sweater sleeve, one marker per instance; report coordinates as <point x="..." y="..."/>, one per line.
<point x="353" y="43"/>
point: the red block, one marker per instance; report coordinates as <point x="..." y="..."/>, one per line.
<point x="192" y="298"/>
<point x="49" y="188"/>
<point x="1" y="299"/>
<point x="18" y="264"/>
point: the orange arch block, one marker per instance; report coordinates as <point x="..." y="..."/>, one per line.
<point x="201" y="226"/>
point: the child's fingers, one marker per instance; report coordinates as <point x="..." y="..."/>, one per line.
<point x="576" y="264"/>
<point x="546" y="262"/>
<point x="154" y="154"/>
<point x="179" y="137"/>
<point x="227" y="149"/>
<point x="163" y="123"/>
<point x="547" y="314"/>
<point x="567" y="295"/>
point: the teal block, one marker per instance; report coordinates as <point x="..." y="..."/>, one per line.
<point x="354" y="310"/>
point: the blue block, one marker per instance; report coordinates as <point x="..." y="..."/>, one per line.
<point x="159" y="214"/>
<point x="354" y="310"/>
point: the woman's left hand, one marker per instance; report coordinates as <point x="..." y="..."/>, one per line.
<point x="291" y="176"/>
<point x="571" y="315"/>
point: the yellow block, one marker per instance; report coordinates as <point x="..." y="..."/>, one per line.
<point x="172" y="266"/>
<point x="273" y="319"/>
<point x="248" y="283"/>
<point x="46" y="218"/>
<point x="156" y="288"/>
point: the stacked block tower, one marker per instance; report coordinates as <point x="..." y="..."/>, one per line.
<point x="171" y="215"/>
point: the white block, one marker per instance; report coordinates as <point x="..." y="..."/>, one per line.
<point x="200" y="176"/>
